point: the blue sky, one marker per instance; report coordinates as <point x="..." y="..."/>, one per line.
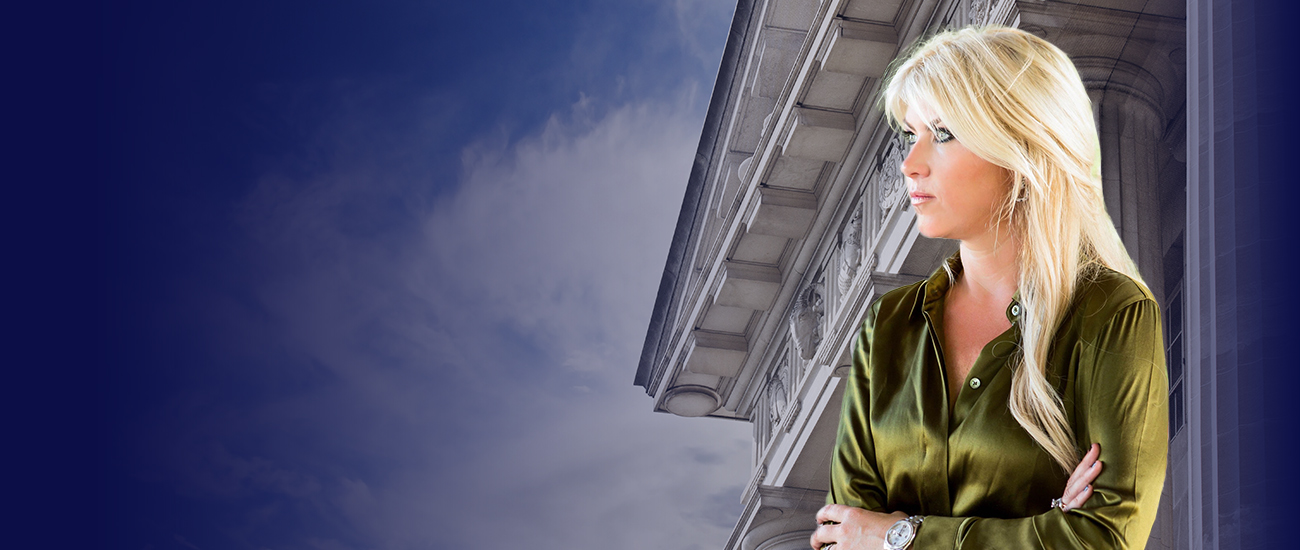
<point x="373" y="275"/>
<point x="377" y="274"/>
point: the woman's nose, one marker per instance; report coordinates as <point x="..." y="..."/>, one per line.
<point x="914" y="164"/>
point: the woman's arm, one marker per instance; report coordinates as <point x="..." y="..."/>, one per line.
<point x="1122" y="404"/>
<point x="854" y="478"/>
<point x="851" y="528"/>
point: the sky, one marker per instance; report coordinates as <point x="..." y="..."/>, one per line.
<point x="370" y="275"/>
<point x="376" y="275"/>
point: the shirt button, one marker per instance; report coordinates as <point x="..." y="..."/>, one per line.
<point x="974" y="383"/>
<point x="1015" y="310"/>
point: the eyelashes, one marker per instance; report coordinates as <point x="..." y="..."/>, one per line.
<point x="941" y="135"/>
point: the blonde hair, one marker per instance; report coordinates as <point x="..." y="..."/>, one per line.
<point x="1017" y="101"/>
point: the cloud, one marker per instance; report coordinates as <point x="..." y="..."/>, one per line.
<point x="698" y="19"/>
<point x="456" y="369"/>
<point x="571" y="225"/>
<point x="561" y="239"/>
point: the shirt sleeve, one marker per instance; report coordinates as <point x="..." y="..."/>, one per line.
<point x="854" y="478"/>
<point x="1121" y="402"/>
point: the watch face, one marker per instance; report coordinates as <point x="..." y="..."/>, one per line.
<point x="900" y="534"/>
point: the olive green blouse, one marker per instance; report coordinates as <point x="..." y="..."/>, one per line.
<point x="977" y="476"/>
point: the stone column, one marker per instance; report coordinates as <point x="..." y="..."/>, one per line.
<point x="779" y="518"/>
<point x="1226" y="416"/>
<point x="1130" y="130"/>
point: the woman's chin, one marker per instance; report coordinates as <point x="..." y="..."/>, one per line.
<point x="928" y="230"/>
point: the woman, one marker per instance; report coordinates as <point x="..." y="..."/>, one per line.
<point x="973" y="393"/>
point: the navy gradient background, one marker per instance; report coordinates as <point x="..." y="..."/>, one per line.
<point x="1279" y="188"/>
<point x="124" y="119"/>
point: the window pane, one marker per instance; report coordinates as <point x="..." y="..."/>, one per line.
<point x="1174" y="359"/>
<point x="1176" y="419"/>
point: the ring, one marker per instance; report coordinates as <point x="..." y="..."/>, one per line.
<point x="1058" y="503"/>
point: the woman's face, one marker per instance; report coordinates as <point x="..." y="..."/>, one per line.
<point x="955" y="193"/>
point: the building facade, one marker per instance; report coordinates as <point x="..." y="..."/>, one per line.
<point x="796" y="219"/>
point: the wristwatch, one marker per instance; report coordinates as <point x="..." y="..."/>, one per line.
<point x="900" y="535"/>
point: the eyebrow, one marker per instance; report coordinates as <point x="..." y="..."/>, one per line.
<point x="933" y="124"/>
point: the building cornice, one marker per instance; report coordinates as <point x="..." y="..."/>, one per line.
<point x="719" y="102"/>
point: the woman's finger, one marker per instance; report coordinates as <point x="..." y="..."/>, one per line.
<point x="1081" y="498"/>
<point x="1086" y="478"/>
<point x="1073" y="493"/>
<point x="1075" y="499"/>
<point x="1089" y="476"/>
<point x="1088" y="458"/>
<point x="826" y="533"/>
<point x="1084" y="474"/>
<point x="831" y="513"/>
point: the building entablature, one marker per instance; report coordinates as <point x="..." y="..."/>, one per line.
<point x="762" y="239"/>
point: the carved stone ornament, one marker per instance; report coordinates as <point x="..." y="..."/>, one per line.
<point x="776" y="399"/>
<point x="979" y="11"/>
<point x="850" y="251"/>
<point x="889" y="177"/>
<point x="806" y="320"/>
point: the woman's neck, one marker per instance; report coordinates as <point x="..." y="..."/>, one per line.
<point x="990" y="271"/>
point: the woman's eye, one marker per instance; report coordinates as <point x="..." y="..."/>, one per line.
<point x="909" y="137"/>
<point x="942" y="135"/>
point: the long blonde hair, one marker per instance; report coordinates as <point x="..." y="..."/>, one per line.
<point x="1017" y="101"/>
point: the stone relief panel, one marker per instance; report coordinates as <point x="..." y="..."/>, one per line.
<point x="890" y="183"/>
<point x="777" y="397"/>
<point x="988" y="12"/>
<point x="979" y="11"/>
<point x="850" y="252"/>
<point x="806" y="320"/>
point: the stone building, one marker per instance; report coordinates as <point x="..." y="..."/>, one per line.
<point x="796" y="219"/>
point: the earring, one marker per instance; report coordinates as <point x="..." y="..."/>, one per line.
<point x="1024" y="194"/>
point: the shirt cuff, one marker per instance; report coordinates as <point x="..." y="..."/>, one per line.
<point x="938" y="533"/>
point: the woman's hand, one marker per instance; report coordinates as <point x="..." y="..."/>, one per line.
<point x="850" y="528"/>
<point x="1079" y="487"/>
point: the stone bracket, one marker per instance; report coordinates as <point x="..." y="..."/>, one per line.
<point x="873" y="10"/>
<point x="794" y="173"/>
<point x="782" y="213"/>
<point x="819" y="135"/>
<point x="861" y="48"/>
<point x="716" y="353"/>
<point x="748" y="286"/>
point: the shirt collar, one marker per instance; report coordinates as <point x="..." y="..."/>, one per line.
<point x="935" y="288"/>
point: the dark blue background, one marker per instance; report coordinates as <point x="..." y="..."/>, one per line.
<point x="136" y="126"/>
<point x="122" y="122"/>
<point x="1279" y="157"/>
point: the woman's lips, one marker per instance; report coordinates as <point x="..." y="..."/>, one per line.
<point x="918" y="198"/>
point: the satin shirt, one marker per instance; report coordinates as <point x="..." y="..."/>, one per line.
<point x="975" y="474"/>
